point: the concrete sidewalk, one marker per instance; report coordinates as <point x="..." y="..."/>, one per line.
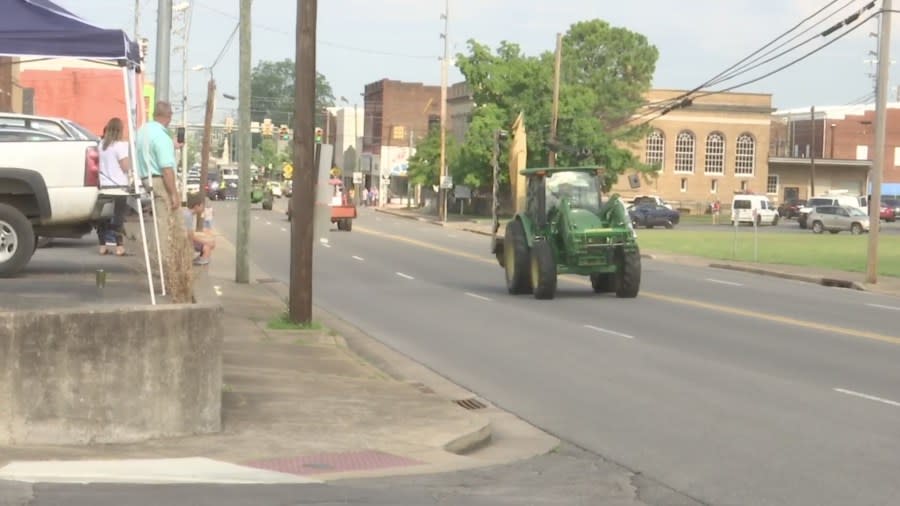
<point x="886" y="285"/>
<point x="305" y="403"/>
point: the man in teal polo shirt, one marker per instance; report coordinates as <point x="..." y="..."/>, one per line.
<point x="155" y="158"/>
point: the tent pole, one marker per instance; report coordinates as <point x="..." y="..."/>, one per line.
<point x="132" y="126"/>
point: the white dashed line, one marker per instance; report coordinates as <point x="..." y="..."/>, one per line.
<point x="479" y="297"/>
<point x="405" y="276"/>
<point x="605" y="331"/>
<point x="879" y="306"/>
<point x="283" y="229"/>
<point x="868" y="397"/>
<point x="268" y="223"/>
<point x="719" y="281"/>
<point x="218" y="290"/>
<point x="325" y="244"/>
<point x="361" y="259"/>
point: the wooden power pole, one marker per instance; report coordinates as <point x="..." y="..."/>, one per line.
<point x="812" y="151"/>
<point x="554" y="119"/>
<point x="884" y="65"/>
<point x="304" y="197"/>
<point x="443" y="169"/>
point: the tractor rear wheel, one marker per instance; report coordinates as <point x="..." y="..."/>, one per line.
<point x="348" y="224"/>
<point x="543" y="270"/>
<point x="628" y="277"/>
<point x="518" y="259"/>
<point x="602" y="282"/>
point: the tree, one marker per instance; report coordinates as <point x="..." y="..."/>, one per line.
<point x="272" y="92"/>
<point x="424" y="165"/>
<point x="605" y="73"/>
<point x="267" y="153"/>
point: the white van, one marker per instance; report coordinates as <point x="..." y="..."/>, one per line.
<point x="747" y="208"/>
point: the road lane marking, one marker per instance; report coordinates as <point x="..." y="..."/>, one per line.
<point x="452" y="236"/>
<point x="268" y="223"/>
<point x="479" y="297"/>
<point x="361" y="259"/>
<point x="405" y="276"/>
<point x="868" y="397"/>
<point x="607" y="331"/>
<point x="283" y="229"/>
<point x="218" y="290"/>
<point x="681" y="301"/>
<point x="879" y="306"/>
<point x="721" y="282"/>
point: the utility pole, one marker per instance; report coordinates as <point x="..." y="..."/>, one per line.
<point x="137" y="20"/>
<point x="207" y="143"/>
<point x="305" y="167"/>
<point x="356" y="148"/>
<point x="163" y="49"/>
<point x="444" y="62"/>
<point x="884" y="65"/>
<point x="812" y="151"/>
<point x="242" y="259"/>
<point x="185" y="37"/>
<point x="555" y="112"/>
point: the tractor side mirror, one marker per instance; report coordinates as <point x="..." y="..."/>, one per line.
<point x="634" y="181"/>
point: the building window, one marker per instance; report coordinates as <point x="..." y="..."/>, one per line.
<point x="744" y="185"/>
<point x="772" y="185"/>
<point x="862" y="152"/>
<point x="715" y="153"/>
<point x="656" y="146"/>
<point x="714" y="186"/>
<point x="745" y="156"/>
<point x="684" y="184"/>
<point x="684" y="152"/>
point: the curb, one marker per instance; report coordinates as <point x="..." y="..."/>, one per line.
<point x="819" y="280"/>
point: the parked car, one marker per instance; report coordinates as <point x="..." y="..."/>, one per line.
<point x="650" y="199"/>
<point x="886" y="213"/>
<point x="838" y="218"/>
<point x="791" y="208"/>
<point x="833" y="199"/>
<point x="8" y="134"/>
<point x="750" y="208"/>
<point x="894" y="206"/>
<point x="653" y="215"/>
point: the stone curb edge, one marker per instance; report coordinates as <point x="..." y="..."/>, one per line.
<point x="819" y="280"/>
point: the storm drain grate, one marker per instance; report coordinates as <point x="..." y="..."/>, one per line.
<point x="472" y="403"/>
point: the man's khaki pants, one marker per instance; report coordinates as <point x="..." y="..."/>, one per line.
<point x="163" y="207"/>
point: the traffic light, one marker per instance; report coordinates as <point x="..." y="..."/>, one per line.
<point x="318" y="135"/>
<point x="229" y="124"/>
<point x="267" y="128"/>
<point x="284" y="132"/>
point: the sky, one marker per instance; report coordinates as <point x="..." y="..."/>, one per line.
<point x="362" y="41"/>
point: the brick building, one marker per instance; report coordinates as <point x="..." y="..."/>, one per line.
<point x="396" y="116"/>
<point x="841" y="139"/>
<point x="708" y="151"/>
<point x="460" y="105"/>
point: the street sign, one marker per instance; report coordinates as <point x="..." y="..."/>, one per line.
<point x="462" y="192"/>
<point x="446" y="182"/>
<point x="357" y="178"/>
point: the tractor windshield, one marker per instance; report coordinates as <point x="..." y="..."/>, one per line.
<point x="579" y="188"/>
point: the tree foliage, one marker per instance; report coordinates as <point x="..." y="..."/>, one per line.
<point x="267" y="154"/>
<point x="425" y="164"/>
<point x="605" y="72"/>
<point x="272" y="92"/>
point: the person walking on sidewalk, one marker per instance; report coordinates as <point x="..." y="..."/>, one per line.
<point x="115" y="165"/>
<point x="155" y="159"/>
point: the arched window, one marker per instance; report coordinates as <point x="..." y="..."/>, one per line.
<point x="715" y="153"/>
<point x="656" y="147"/>
<point x="684" y="152"/>
<point x="745" y="156"/>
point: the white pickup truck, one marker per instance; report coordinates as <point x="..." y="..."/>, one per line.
<point x="48" y="188"/>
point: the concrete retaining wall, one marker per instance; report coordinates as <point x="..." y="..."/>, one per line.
<point x="114" y="375"/>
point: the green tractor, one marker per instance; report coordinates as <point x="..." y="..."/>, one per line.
<point x="565" y="229"/>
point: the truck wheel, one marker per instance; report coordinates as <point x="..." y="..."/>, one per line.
<point x="775" y="221"/>
<point x="602" y="282"/>
<point x="267" y="204"/>
<point x="16" y="241"/>
<point x="817" y="227"/>
<point x="543" y="271"/>
<point x="518" y="259"/>
<point x="856" y="229"/>
<point x="348" y="224"/>
<point x="628" y="277"/>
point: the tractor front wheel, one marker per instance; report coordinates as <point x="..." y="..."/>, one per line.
<point x="543" y="271"/>
<point x="517" y="259"/>
<point x="628" y="277"/>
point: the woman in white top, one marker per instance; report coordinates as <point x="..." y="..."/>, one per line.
<point x="115" y="167"/>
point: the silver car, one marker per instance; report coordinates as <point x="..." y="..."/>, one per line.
<point x="837" y="218"/>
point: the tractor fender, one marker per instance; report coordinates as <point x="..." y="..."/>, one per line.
<point x="528" y="225"/>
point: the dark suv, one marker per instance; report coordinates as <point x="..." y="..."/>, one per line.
<point x="791" y="208"/>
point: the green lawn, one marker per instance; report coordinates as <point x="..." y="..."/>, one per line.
<point x="842" y="251"/>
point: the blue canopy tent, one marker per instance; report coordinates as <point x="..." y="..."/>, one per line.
<point x="43" y="30"/>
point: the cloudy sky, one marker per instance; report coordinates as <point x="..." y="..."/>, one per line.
<point x="361" y="41"/>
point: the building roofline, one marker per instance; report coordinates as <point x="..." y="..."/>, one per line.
<point x="861" y="164"/>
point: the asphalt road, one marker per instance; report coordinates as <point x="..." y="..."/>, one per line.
<point x="727" y="387"/>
